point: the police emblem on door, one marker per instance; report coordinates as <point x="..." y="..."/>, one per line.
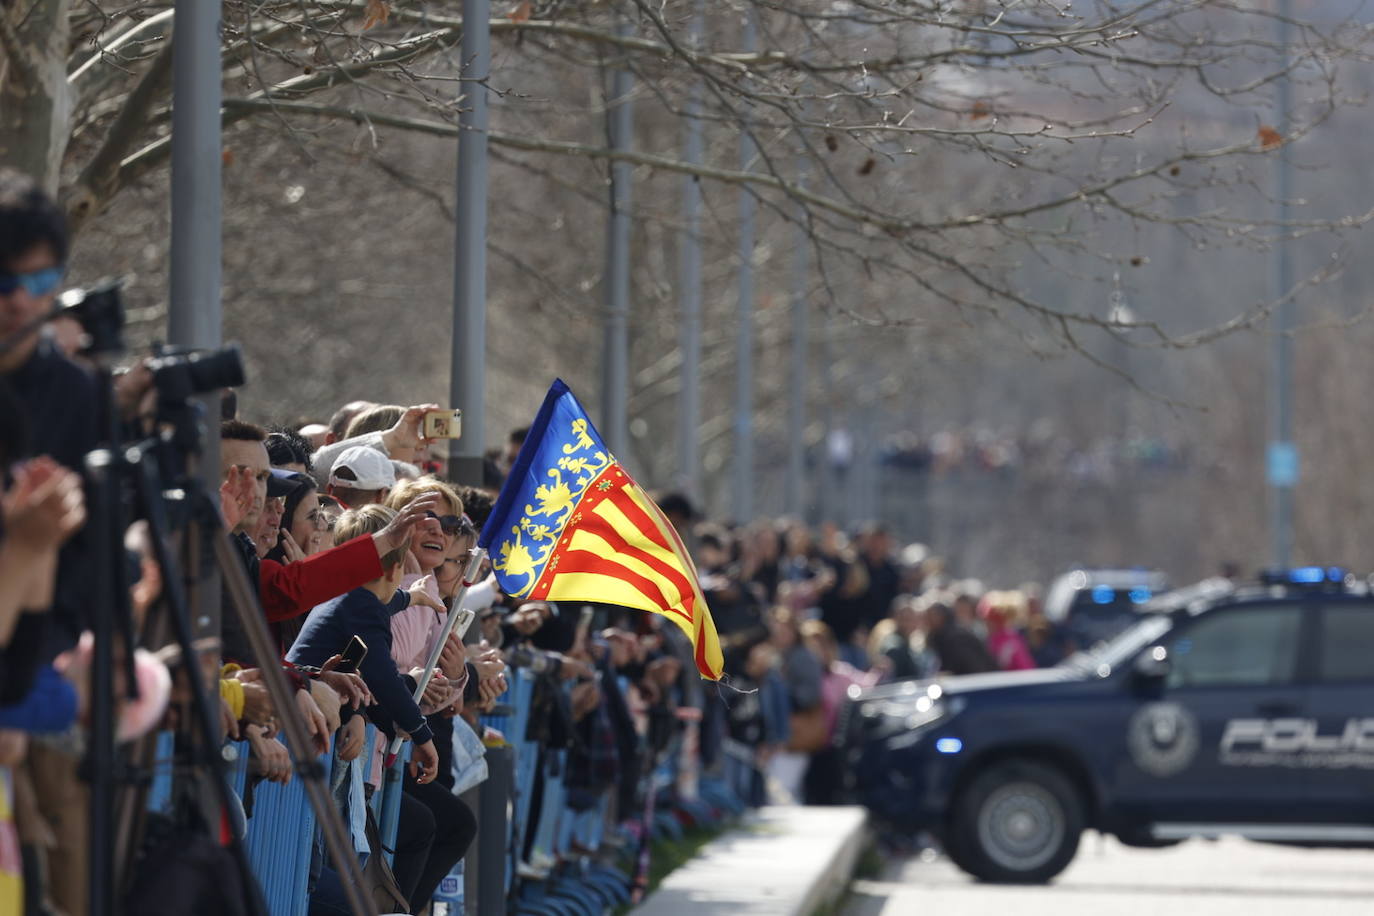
<point x="1162" y="739"/>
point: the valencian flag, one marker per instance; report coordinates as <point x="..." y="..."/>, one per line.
<point x="570" y="525"/>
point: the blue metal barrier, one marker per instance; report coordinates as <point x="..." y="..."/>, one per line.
<point x="280" y="838"/>
<point x="515" y="728"/>
<point x="568" y="877"/>
<point x="387" y="799"/>
<point x="160" y="789"/>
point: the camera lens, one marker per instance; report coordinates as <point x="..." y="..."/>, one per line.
<point x="180" y="377"/>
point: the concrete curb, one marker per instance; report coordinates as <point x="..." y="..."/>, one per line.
<point x="782" y="861"/>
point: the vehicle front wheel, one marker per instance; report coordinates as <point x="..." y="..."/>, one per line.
<point x="1017" y="822"/>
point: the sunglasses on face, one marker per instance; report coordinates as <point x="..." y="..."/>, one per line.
<point x="36" y="283"/>
<point x="453" y="524"/>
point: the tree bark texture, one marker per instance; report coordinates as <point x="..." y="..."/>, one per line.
<point x="34" y="101"/>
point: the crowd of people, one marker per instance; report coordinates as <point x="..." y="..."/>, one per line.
<point x="1038" y="450"/>
<point x="806" y="613"/>
<point x="355" y="545"/>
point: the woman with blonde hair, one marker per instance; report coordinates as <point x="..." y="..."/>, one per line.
<point x="414" y="632"/>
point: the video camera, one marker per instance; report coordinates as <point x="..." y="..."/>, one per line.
<point x="178" y="374"/>
<point x="181" y="374"/>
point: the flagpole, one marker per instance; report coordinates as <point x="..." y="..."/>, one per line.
<point x="475" y="558"/>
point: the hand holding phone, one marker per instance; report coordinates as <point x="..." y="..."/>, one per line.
<point x="584" y="627"/>
<point x="353" y="655"/>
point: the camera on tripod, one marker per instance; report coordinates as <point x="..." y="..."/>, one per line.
<point x="178" y="374"/>
<point x="181" y="374"/>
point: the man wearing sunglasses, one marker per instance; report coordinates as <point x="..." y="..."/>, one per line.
<point x="58" y="397"/>
<point x="33" y="247"/>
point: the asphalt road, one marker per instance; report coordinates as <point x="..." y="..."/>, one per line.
<point x="1228" y="877"/>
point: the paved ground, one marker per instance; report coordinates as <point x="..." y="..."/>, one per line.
<point x="782" y="861"/>
<point x="1230" y="877"/>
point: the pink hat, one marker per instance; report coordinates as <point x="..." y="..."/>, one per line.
<point x="139" y="716"/>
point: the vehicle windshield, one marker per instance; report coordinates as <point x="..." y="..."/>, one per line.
<point x="1121" y="647"/>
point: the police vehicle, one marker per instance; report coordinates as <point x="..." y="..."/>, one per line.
<point x="1224" y="709"/>
<point x="1092" y="605"/>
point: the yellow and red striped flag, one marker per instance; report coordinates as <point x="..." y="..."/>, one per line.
<point x="571" y="525"/>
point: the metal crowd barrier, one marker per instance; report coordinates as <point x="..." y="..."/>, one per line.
<point x="572" y="866"/>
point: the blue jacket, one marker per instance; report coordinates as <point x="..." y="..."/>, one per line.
<point x="48" y="708"/>
<point x="331" y="625"/>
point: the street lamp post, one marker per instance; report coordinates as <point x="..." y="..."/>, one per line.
<point x="1283" y="452"/>
<point x="467" y="374"/>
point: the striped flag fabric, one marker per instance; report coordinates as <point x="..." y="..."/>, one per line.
<point x="571" y="525"/>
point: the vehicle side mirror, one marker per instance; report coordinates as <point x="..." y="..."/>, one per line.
<point x="1152" y="666"/>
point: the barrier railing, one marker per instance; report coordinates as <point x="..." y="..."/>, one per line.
<point x="547" y="857"/>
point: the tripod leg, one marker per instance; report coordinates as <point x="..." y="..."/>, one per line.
<point x="102" y="760"/>
<point x="206" y="716"/>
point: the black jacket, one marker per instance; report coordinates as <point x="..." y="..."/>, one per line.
<point x="960" y="651"/>
<point x="329" y="628"/>
<point x="59" y="401"/>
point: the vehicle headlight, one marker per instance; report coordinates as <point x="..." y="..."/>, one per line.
<point x="904" y="719"/>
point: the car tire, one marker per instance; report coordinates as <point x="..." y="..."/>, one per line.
<point x="1017" y="822"/>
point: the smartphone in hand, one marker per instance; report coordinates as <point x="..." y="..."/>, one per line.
<point x="443" y="424"/>
<point x="353" y="655"/>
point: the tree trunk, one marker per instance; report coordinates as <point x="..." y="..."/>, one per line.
<point x="34" y="102"/>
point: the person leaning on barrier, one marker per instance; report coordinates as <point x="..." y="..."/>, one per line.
<point x="434" y="540"/>
<point x="435" y="827"/>
<point x="288" y="590"/>
<point x="366" y="612"/>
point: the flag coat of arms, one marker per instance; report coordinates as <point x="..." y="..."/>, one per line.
<point x="571" y="525"/>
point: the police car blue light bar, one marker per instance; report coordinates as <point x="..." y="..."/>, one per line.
<point x="1306" y="575"/>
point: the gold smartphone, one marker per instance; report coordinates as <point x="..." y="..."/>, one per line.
<point x="444" y="424"/>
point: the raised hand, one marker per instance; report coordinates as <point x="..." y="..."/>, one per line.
<point x="420" y="594"/>
<point x="397" y="532"/>
<point x="289" y="546"/>
<point x="407" y="436"/>
<point x="236" y="495"/>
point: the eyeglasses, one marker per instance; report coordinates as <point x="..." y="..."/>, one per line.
<point x="453" y="524"/>
<point x="35" y="283"/>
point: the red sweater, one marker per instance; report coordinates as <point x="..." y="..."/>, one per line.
<point x="291" y="589"/>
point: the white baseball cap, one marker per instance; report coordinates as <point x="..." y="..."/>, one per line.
<point x="370" y="469"/>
